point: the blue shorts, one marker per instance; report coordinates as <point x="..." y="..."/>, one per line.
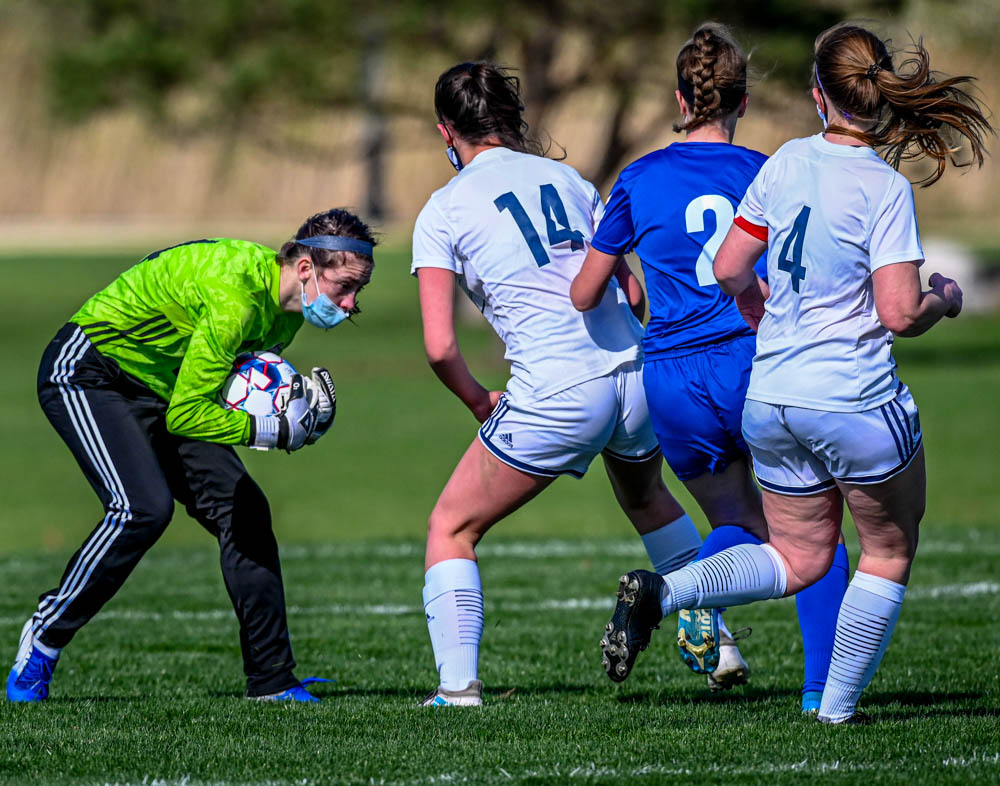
<point x="696" y="405"/>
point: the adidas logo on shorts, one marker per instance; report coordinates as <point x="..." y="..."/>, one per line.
<point x="506" y="440"/>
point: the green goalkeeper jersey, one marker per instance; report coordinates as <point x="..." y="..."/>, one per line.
<point x="176" y="321"/>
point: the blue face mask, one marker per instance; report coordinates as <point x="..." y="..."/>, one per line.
<point x="322" y="312"/>
<point x="453" y="158"/>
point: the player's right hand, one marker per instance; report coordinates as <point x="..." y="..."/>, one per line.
<point x="949" y="291"/>
<point x="294" y="427"/>
<point x="296" y="423"/>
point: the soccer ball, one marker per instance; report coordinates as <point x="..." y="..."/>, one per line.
<point x="259" y="384"/>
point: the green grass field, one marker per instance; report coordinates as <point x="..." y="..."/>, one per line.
<point x="150" y="691"/>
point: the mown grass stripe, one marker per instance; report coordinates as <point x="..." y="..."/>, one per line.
<point x="397" y="610"/>
<point x="519" y="549"/>
<point x="594" y="771"/>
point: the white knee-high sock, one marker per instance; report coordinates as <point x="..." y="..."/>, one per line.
<point x="738" y="575"/>
<point x="453" y="604"/>
<point x="867" y="618"/>
<point x="673" y="545"/>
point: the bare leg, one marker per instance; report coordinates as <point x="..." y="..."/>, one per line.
<point x="641" y="492"/>
<point x="805" y="532"/>
<point x="730" y="498"/>
<point x="480" y="492"/>
<point x="888" y="516"/>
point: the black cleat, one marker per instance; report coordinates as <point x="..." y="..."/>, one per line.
<point x="636" y="616"/>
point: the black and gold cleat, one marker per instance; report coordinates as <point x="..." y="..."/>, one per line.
<point x="636" y="616"/>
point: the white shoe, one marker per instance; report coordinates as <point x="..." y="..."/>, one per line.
<point x="470" y="696"/>
<point x="732" y="669"/>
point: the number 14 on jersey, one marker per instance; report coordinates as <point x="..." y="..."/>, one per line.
<point x="556" y="222"/>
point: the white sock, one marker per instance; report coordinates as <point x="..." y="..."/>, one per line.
<point x="52" y="652"/>
<point x="453" y="604"/>
<point x="867" y="617"/>
<point x="673" y="545"/>
<point x="738" y="575"/>
<point x="45" y="649"/>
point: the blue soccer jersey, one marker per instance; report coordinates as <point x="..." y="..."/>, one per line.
<point x="673" y="207"/>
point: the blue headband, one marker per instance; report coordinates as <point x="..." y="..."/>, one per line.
<point x="338" y="243"/>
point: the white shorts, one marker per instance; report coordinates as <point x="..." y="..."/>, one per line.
<point x="561" y="434"/>
<point x="803" y="451"/>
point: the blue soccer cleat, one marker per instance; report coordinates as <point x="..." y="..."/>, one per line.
<point x="296" y="692"/>
<point x="811" y="700"/>
<point x="698" y="639"/>
<point x="32" y="671"/>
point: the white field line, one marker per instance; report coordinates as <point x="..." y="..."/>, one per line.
<point x="630" y="548"/>
<point x="596" y="772"/>
<point x="604" y="603"/>
<point x="573" y="549"/>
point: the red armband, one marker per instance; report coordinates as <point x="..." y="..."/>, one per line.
<point x="751" y="229"/>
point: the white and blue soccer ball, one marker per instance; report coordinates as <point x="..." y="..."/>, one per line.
<point x="259" y="384"/>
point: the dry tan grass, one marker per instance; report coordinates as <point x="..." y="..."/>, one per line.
<point x="114" y="174"/>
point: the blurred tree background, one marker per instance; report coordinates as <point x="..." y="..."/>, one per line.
<point x="265" y="110"/>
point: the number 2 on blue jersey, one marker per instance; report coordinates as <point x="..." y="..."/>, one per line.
<point x="556" y="222"/>
<point x="793" y="242"/>
<point x="694" y="221"/>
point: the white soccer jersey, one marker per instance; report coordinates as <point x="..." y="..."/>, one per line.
<point x="833" y="214"/>
<point x="515" y="229"/>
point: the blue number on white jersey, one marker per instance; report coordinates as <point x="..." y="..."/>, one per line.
<point x="794" y="266"/>
<point x="556" y="222"/>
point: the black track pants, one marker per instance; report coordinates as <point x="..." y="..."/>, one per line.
<point x="115" y="427"/>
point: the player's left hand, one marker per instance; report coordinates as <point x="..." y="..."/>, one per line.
<point x="489" y="403"/>
<point x="323" y="398"/>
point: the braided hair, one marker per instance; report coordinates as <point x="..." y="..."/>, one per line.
<point x="711" y="75"/>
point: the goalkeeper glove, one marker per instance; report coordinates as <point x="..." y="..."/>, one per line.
<point x="323" y="399"/>
<point x="292" y="428"/>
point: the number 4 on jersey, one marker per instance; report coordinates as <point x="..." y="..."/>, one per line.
<point x="556" y="222"/>
<point x="793" y="266"/>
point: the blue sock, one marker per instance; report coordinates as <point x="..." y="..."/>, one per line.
<point x="818" y="607"/>
<point x="721" y="538"/>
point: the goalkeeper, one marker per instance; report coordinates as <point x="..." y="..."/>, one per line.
<point x="131" y="385"/>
